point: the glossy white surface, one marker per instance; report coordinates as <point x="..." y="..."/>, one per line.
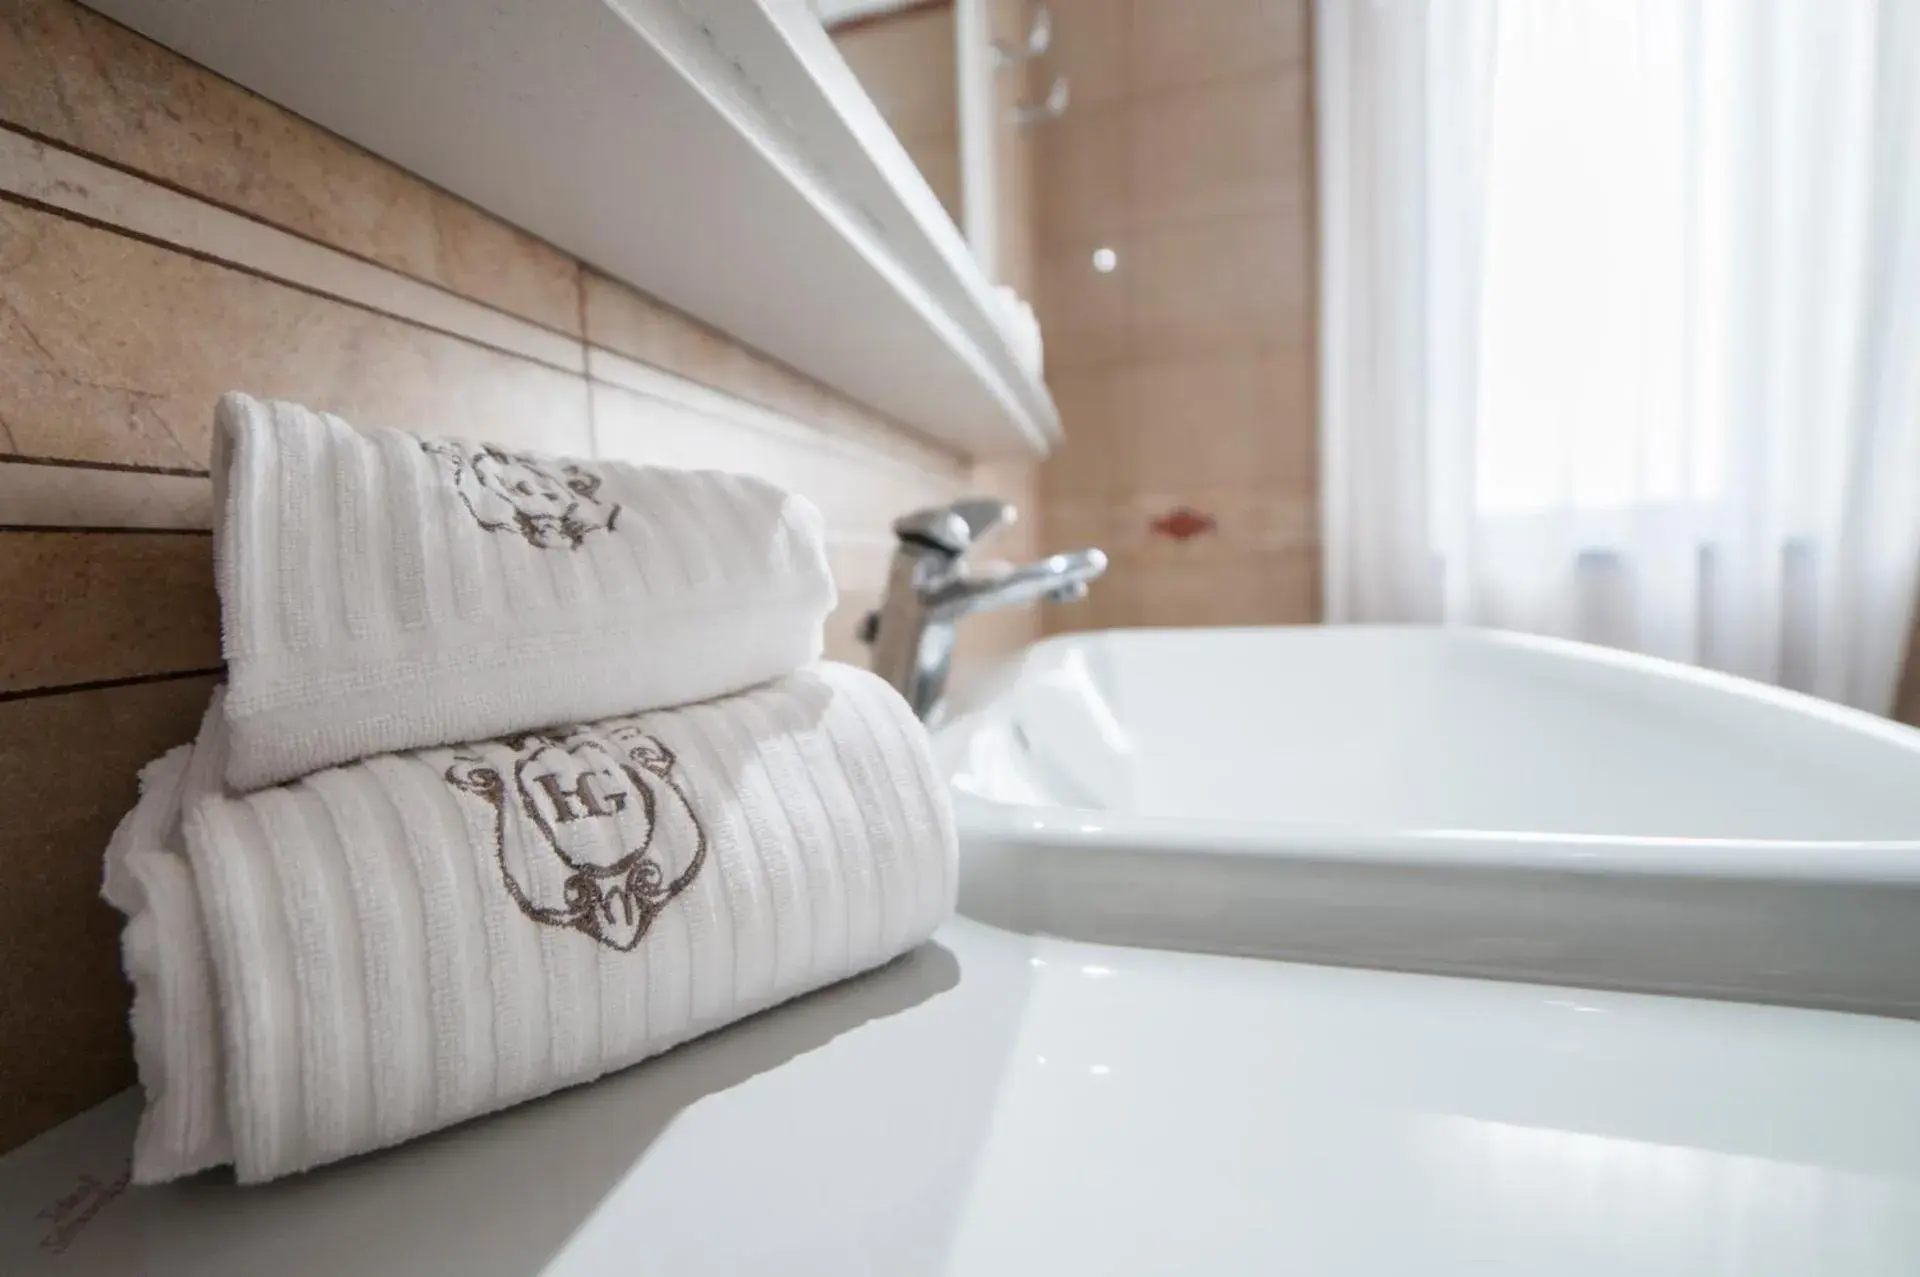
<point x="999" y="1104"/>
<point x="1446" y="800"/>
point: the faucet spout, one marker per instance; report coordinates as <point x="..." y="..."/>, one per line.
<point x="1056" y="576"/>
<point x="928" y="593"/>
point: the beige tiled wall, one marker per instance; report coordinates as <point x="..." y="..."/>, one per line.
<point x="1186" y="378"/>
<point x="166" y="236"/>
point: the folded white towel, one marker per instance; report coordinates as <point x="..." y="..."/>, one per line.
<point x="176" y="1024"/>
<point x="419" y="938"/>
<point x="381" y="592"/>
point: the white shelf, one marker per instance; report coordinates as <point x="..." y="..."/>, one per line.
<point x="718" y="155"/>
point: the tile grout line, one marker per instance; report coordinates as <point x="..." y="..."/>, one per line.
<point x="104" y="684"/>
<point x="91" y="529"/>
<point x="608" y="367"/>
<point x="68" y="184"/>
<point x="175" y="188"/>
<point x="112" y="467"/>
<point x="75" y="202"/>
<point x="586" y="358"/>
<point x="213" y="259"/>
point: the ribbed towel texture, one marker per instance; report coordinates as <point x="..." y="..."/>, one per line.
<point x="176" y="1018"/>
<point x="381" y="592"/>
<point x="385" y="948"/>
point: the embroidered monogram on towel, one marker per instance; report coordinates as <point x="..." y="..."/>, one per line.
<point x="596" y="834"/>
<point x="512" y="492"/>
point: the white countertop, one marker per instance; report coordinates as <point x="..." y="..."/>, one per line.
<point x="999" y="1104"/>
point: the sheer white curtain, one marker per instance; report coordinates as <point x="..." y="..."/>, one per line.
<point x="1621" y="325"/>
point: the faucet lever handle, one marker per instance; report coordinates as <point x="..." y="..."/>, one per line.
<point x="983" y="514"/>
<point x="955" y="529"/>
<point x="935" y="529"/>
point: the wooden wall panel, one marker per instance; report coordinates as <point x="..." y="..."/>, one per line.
<point x="116" y="350"/>
<point x="67" y="774"/>
<point x="166" y="236"/>
<point x="85" y="607"/>
<point x="37" y="494"/>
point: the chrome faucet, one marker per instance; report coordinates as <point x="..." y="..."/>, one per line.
<point x="928" y="592"/>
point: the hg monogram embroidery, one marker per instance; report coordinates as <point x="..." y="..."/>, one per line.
<point x="512" y="492"/>
<point x="590" y="828"/>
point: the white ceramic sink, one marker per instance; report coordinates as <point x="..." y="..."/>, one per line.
<point x="1445" y="800"/>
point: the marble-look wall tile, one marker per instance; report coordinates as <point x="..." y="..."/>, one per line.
<point x="906" y="63"/>
<point x="116" y="351"/>
<point x="1084" y="195"/>
<point x="1083" y="313"/>
<point x="630" y="323"/>
<point x="859" y="495"/>
<point x="70" y="75"/>
<point x="77" y="757"/>
<point x="1093" y="422"/>
<point x="1268" y="588"/>
<point x="1224" y="149"/>
<point x="67" y="182"/>
<point x="1075" y="523"/>
<point x="82" y="497"/>
<point x="83" y="607"/>
<point x="1193" y="287"/>
<point x="1090" y="48"/>
<point x="1181" y="42"/>
<point x="1253" y="408"/>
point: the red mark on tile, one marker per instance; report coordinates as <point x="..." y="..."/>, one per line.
<point x="1184" y="523"/>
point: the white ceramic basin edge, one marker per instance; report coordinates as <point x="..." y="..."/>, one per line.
<point x="1450" y="801"/>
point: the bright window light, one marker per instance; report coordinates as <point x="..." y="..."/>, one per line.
<point x="1598" y="234"/>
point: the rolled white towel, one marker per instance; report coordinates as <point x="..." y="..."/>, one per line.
<point x="419" y="938"/>
<point x="380" y="591"/>
<point x="176" y="1022"/>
